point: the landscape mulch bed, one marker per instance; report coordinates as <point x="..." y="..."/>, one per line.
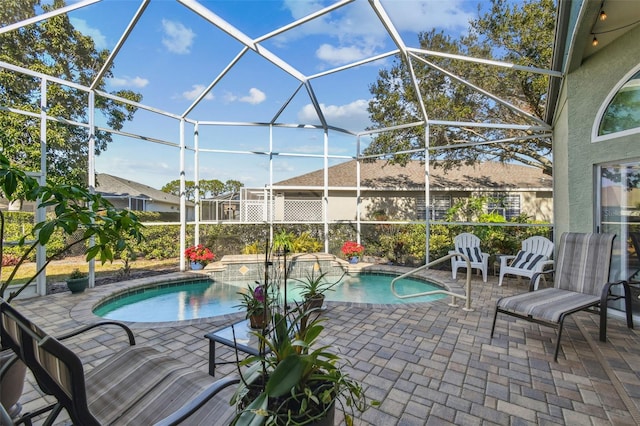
<point x="59" y="287"/>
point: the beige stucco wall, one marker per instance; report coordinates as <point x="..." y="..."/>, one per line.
<point x="403" y="205"/>
<point x="575" y="156"/>
<point x="537" y="205"/>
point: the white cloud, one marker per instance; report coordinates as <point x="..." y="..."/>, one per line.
<point x="177" y="38"/>
<point x="255" y="97"/>
<point x="358" y="33"/>
<point x="197" y="89"/>
<point x="420" y="16"/>
<point x="126" y="81"/>
<point x="98" y="38"/>
<point x="352" y="116"/>
<point x="342" y="55"/>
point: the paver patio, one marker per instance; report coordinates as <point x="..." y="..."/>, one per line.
<point x="428" y="364"/>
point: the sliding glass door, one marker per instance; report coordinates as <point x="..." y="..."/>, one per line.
<point x="619" y="213"/>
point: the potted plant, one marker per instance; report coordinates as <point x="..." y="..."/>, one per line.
<point x="199" y="256"/>
<point x="255" y="303"/>
<point x="352" y="251"/>
<point x="312" y="288"/>
<point x="74" y="208"/>
<point x="77" y="281"/>
<point x="293" y="379"/>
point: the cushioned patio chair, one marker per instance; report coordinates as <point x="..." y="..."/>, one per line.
<point x="581" y="282"/>
<point x="532" y="258"/>
<point x="469" y="245"/>
<point x="135" y="386"/>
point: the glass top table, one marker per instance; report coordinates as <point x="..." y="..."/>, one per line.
<point x="245" y="341"/>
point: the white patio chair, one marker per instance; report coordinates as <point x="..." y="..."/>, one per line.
<point x="533" y="257"/>
<point x="469" y="245"/>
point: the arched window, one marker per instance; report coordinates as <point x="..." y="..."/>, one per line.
<point x="623" y="112"/>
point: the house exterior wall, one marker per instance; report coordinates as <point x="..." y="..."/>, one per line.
<point x="342" y="206"/>
<point x="575" y="156"/>
<point x="403" y="205"/>
<point x="538" y="205"/>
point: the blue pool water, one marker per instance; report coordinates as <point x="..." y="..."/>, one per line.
<point x="206" y="298"/>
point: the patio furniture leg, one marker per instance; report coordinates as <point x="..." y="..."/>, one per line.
<point x="555" y="355"/>
<point x="495" y="317"/>
<point x="212" y="358"/>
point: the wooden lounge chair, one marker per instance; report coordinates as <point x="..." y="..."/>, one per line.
<point x="469" y="245"/>
<point x="532" y="258"/>
<point x="136" y="386"/>
<point x="581" y="282"/>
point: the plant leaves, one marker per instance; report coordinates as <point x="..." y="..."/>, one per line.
<point x="285" y="376"/>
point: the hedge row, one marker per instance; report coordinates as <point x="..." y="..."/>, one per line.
<point x="402" y="244"/>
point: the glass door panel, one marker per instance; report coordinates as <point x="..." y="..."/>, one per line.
<point x="619" y="193"/>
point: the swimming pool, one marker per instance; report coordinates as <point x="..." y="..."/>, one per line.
<point x="206" y="298"/>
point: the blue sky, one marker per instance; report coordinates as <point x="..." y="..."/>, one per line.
<point x="173" y="54"/>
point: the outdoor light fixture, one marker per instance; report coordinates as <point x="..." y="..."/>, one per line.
<point x="603" y="15"/>
<point x="594" y="43"/>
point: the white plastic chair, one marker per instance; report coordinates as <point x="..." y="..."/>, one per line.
<point x="469" y="245"/>
<point x="535" y="254"/>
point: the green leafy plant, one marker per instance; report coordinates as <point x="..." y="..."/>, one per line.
<point x="76" y="210"/>
<point x="77" y="274"/>
<point x="294" y="379"/>
<point x="313" y="285"/>
<point x="255" y="300"/>
<point x="283" y="242"/>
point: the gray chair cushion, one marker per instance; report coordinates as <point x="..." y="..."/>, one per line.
<point x="547" y="304"/>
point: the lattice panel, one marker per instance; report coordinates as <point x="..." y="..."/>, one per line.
<point x="254" y="211"/>
<point x="298" y="210"/>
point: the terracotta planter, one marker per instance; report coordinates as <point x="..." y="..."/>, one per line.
<point x="259" y="321"/>
<point x="12" y="384"/>
<point x="314" y="302"/>
<point x="78" y="285"/>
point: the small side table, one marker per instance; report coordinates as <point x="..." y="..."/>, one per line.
<point x="245" y="341"/>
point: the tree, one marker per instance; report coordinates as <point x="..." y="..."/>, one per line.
<point x="211" y="188"/>
<point x="232" y="186"/>
<point x="173" y="187"/>
<point x="208" y="188"/>
<point x="520" y="33"/>
<point x="74" y="208"/>
<point x="54" y="47"/>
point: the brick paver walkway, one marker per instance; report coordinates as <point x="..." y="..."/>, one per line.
<point x="428" y="364"/>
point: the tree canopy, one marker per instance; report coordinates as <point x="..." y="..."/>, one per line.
<point x="208" y="188"/>
<point x="516" y="32"/>
<point x="71" y="56"/>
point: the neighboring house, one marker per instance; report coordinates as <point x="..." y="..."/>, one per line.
<point x="396" y="192"/>
<point x="127" y="194"/>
